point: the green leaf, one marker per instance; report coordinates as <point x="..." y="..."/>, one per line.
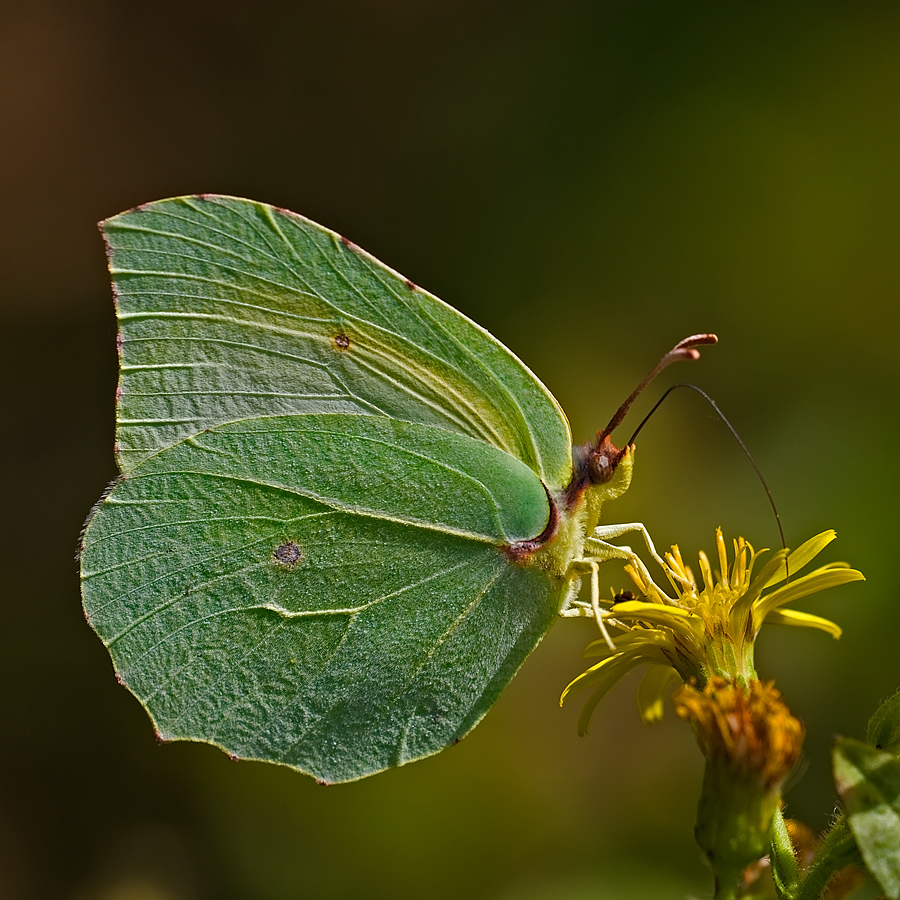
<point x="868" y="781"/>
<point x="325" y="591"/>
<point x="231" y="309"/>
<point x="883" y="730"/>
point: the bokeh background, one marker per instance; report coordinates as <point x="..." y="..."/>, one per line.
<point x="591" y="181"/>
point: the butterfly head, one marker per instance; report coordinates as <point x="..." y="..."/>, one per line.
<point x="596" y="465"/>
<point x="595" y="462"/>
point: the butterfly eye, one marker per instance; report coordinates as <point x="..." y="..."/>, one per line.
<point x="603" y="461"/>
<point x="601" y="468"/>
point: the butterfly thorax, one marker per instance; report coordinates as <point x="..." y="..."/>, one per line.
<point x="577" y="517"/>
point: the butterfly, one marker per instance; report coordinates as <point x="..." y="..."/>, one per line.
<point x="346" y="513"/>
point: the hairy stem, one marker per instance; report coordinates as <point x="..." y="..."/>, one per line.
<point x="785" y="870"/>
<point x="837" y="851"/>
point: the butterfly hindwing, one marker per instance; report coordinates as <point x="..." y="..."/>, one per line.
<point x="328" y="591"/>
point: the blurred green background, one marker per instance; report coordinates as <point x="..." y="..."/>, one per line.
<point x="591" y="181"/>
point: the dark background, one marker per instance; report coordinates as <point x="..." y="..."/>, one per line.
<point x="591" y="182"/>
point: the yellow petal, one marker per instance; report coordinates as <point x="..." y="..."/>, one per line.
<point x="723" y="556"/>
<point x="653" y="691"/>
<point x="807" y="620"/>
<point x="629" y="640"/>
<point x="803" y="554"/>
<point x="739" y="569"/>
<point x="687" y="625"/>
<point x="619" y="663"/>
<point x="651" y="612"/>
<point x="705" y="570"/>
<point x="757" y="586"/>
<point x="832" y="575"/>
<point x="603" y="685"/>
<point x="592" y="675"/>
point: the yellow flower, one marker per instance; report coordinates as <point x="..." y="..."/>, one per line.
<point x="708" y="628"/>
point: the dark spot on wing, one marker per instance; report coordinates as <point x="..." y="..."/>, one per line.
<point x="341" y="341"/>
<point x="288" y="554"/>
<point x="410" y="284"/>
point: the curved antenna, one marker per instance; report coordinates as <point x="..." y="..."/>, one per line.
<point x="596" y="462"/>
<point x="736" y="436"/>
<point x="682" y="350"/>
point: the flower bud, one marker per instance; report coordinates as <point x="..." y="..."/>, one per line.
<point x="751" y="742"/>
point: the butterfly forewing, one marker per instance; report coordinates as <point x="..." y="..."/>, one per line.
<point x="231" y="309"/>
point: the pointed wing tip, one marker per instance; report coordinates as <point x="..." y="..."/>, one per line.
<point x="104" y="224"/>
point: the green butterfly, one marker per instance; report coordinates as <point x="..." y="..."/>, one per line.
<point x="346" y="513"/>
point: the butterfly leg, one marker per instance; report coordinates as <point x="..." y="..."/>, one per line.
<point x="605" y="533"/>
<point x="595" y="601"/>
<point x="602" y="551"/>
<point x="593" y="567"/>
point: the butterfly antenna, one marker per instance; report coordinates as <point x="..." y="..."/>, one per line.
<point x="596" y="461"/>
<point x="736" y="436"/>
<point x="685" y="349"/>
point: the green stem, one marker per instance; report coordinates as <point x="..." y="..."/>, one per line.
<point x="837" y="851"/>
<point x="785" y="870"/>
<point x="727" y="891"/>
